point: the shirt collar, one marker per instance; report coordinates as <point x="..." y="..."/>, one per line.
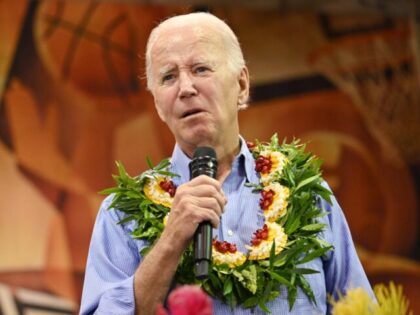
<point x="180" y="162"/>
<point x="250" y="172"/>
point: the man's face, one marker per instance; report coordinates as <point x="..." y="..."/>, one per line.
<point x="195" y="93"/>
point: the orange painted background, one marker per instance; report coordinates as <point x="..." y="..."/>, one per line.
<point x="73" y="100"/>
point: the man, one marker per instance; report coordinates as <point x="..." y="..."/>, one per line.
<point x="197" y="75"/>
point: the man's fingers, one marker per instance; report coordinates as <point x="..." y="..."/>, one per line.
<point x="205" y="180"/>
<point x="195" y="213"/>
<point x="202" y="187"/>
<point x="205" y="214"/>
<point x="215" y="204"/>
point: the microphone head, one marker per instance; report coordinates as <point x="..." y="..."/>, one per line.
<point x="204" y="162"/>
<point x="204" y="151"/>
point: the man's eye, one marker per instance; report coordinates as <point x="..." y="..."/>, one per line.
<point x="167" y="77"/>
<point x="201" y="69"/>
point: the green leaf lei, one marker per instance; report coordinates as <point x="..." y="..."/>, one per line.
<point x="255" y="282"/>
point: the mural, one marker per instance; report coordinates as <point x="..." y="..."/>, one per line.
<point x="73" y="100"/>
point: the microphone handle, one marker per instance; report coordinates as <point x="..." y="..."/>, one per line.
<point x="202" y="249"/>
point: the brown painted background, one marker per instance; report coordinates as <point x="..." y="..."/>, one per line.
<point x="73" y="100"/>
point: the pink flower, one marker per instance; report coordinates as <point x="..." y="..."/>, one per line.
<point x="161" y="310"/>
<point x="188" y="300"/>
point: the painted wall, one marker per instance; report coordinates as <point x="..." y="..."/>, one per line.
<point x="73" y="100"/>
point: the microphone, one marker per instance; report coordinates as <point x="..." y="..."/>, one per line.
<point x="204" y="162"/>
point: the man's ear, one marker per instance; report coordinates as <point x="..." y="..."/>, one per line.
<point x="243" y="81"/>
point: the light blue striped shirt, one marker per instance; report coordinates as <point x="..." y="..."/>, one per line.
<point x="114" y="255"/>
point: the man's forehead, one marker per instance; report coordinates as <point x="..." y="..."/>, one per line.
<point x="195" y="41"/>
<point x="188" y="34"/>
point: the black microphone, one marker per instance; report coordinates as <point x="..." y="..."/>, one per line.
<point x="204" y="162"/>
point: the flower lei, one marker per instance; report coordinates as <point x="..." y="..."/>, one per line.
<point x="290" y="180"/>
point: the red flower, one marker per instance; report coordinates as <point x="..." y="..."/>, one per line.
<point x="251" y="145"/>
<point x="161" y="310"/>
<point x="188" y="300"/>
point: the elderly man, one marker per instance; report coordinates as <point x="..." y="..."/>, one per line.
<point x="199" y="80"/>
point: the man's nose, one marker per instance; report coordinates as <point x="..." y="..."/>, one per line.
<point x="186" y="85"/>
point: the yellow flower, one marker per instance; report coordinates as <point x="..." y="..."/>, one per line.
<point x="262" y="250"/>
<point x="278" y="161"/>
<point x="355" y="302"/>
<point x="278" y="208"/>
<point x="155" y="193"/>
<point x="231" y="259"/>
<point x="390" y="301"/>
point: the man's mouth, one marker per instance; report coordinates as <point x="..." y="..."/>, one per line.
<point x="191" y="112"/>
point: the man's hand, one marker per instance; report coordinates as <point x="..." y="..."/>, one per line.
<point x="198" y="200"/>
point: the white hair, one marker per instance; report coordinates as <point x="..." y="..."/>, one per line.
<point x="235" y="58"/>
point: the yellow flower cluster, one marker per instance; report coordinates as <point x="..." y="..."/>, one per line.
<point x="262" y="250"/>
<point x="278" y="208"/>
<point x="231" y="259"/>
<point x="278" y="161"/>
<point x="155" y="193"/>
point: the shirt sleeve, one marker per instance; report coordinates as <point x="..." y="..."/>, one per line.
<point x="112" y="261"/>
<point x="342" y="267"/>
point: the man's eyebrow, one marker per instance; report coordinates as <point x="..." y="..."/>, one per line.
<point x="205" y="62"/>
<point x="166" y="69"/>
<point x="170" y="68"/>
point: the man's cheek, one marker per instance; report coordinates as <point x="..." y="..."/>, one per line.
<point x="160" y="111"/>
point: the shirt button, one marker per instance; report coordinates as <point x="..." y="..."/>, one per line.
<point x="230" y="232"/>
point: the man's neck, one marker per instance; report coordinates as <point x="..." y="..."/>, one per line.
<point x="226" y="153"/>
<point x="225" y="159"/>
